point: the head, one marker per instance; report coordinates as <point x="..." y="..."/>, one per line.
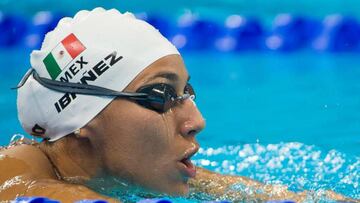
<point x="118" y="137"/>
<point x="143" y="146"/>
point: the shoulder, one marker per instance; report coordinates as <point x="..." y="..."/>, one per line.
<point x="26" y="171"/>
<point x="20" y="166"/>
<point x="27" y="161"/>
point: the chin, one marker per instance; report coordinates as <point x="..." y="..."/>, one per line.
<point x="181" y="189"/>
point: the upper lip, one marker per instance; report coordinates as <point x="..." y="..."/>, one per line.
<point x="190" y="152"/>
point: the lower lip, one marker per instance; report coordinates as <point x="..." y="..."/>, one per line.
<point x="188" y="170"/>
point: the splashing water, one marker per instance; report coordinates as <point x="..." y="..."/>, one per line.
<point x="296" y="165"/>
<point x="299" y="166"/>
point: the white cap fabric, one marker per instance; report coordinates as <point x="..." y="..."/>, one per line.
<point x="99" y="47"/>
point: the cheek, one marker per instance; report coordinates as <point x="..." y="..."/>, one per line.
<point x="135" y="138"/>
<point x="142" y="146"/>
<point x="151" y="138"/>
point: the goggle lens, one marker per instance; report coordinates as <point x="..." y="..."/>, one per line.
<point x="161" y="97"/>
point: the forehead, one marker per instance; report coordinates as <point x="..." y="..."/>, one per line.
<point x="170" y="67"/>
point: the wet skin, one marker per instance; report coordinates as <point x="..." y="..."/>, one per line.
<point x="126" y="142"/>
<point x="142" y="146"/>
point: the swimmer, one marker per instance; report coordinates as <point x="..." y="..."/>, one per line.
<point x="113" y="103"/>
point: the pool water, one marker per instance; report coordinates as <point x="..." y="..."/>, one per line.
<point x="291" y="119"/>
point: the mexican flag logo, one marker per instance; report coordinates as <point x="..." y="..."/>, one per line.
<point x="66" y="51"/>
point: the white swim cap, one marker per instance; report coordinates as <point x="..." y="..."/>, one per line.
<point x="99" y="47"/>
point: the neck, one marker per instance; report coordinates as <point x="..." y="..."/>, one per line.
<point x="73" y="159"/>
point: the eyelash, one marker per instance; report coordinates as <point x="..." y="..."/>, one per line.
<point x="184" y="91"/>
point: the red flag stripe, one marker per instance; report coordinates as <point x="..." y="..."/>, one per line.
<point x="72" y="45"/>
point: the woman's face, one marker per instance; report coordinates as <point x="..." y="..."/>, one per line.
<point x="145" y="147"/>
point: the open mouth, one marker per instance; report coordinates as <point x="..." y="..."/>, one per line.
<point x="187" y="162"/>
<point x="188" y="168"/>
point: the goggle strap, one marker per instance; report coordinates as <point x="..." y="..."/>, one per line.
<point x="78" y="88"/>
<point x="24" y="79"/>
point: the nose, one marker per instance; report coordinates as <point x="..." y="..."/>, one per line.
<point x="191" y="119"/>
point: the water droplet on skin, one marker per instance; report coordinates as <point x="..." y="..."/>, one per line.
<point x="166" y="123"/>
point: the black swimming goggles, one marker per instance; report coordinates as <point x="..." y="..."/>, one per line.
<point x="159" y="97"/>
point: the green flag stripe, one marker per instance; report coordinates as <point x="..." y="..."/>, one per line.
<point x="52" y="67"/>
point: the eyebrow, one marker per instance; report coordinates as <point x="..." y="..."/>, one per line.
<point x="167" y="75"/>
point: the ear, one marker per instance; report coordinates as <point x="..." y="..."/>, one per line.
<point x="77" y="132"/>
<point x="81" y="133"/>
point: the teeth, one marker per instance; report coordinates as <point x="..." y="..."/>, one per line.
<point x="187" y="163"/>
